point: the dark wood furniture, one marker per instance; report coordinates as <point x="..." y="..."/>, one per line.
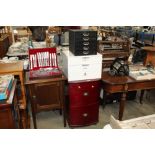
<point x="46" y="94"/>
<point x="5" y="40"/>
<point x="84" y="100"/>
<point x="124" y="84"/>
<point x="16" y="69"/>
<point x="150" y="56"/>
<point x="9" y="110"/>
<point x="111" y="49"/>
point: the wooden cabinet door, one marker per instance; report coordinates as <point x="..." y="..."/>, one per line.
<point x="47" y="95"/>
<point x="6" y="118"/>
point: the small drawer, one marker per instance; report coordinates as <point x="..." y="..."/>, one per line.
<point x="85" y="93"/>
<point x="83" y="116"/>
<point x="84" y="72"/>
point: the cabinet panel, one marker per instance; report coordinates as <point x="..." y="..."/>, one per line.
<point x="47" y="95"/>
<point x="84" y="93"/>
<point x="6" y="118"/>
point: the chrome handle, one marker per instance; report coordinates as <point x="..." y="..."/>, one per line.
<point x="85" y="114"/>
<point x="84" y="65"/>
<point x="85" y="43"/>
<point x="85" y="94"/>
<point x="85" y="52"/>
<point x="85" y="74"/>
<point x="85" y="34"/>
<point x="85" y="48"/>
<point x="86" y="38"/>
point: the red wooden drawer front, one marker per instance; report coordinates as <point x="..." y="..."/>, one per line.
<point x="83" y="116"/>
<point x="84" y="93"/>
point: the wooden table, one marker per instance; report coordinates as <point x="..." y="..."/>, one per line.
<point x="124" y="84"/>
<point x="17" y="69"/>
<point x="150" y="57"/>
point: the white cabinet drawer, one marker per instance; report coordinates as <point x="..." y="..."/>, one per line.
<point x="84" y="72"/>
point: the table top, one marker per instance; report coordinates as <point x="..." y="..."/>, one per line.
<point x="11" y="67"/>
<point x="149" y="48"/>
<point x="118" y="80"/>
<point x="125" y="83"/>
<point x="107" y="78"/>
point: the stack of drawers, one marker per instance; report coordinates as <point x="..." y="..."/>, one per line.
<point x="82" y="65"/>
<point x="83" y="42"/>
<point x="84" y="103"/>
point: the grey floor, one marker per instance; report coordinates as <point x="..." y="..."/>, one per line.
<point x="133" y="109"/>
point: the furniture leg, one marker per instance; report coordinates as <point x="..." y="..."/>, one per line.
<point x="104" y="99"/>
<point x="141" y="96"/>
<point x="34" y="116"/>
<point x="22" y="91"/>
<point x="60" y="111"/>
<point x="122" y="105"/>
<point x="23" y="120"/>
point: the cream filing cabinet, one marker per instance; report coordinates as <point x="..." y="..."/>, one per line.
<point x="78" y="68"/>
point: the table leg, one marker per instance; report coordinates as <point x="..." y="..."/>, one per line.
<point x="141" y="96"/>
<point x="22" y="90"/>
<point x="122" y="105"/>
<point x="104" y="99"/>
<point x="24" y="120"/>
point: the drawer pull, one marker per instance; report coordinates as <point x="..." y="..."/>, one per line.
<point x="85" y="65"/>
<point x="85" y="115"/>
<point x="34" y="97"/>
<point x="92" y="86"/>
<point x="79" y="87"/>
<point x="85" y="52"/>
<point x="86" y="43"/>
<point x="86" y="48"/>
<point x="85" y="94"/>
<point x="86" y="38"/>
<point x="85" y="74"/>
<point x="85" y="34"/>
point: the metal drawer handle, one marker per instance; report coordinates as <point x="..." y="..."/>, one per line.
<point x="85" y="52"/>
<point x="84" y="65"/>
<point x="85" y="114"/>
<point x="86" y="38"/>
<point x="85" y="94"/>
<point x="85" y="34"/>
<point x="85" y="74"/>
<point x="85" y="48"/>
<point x="86" y="43"/>
<point x="79" y="87"/>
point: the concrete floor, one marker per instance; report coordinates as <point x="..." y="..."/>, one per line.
<point x="133" y="109"/>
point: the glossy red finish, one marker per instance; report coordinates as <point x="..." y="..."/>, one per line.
<point x="84" y="93"/>
<point x="83" y="116"/>
<point x="84" y="103"/>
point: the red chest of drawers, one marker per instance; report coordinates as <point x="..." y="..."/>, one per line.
<point x="83" y="103"/>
